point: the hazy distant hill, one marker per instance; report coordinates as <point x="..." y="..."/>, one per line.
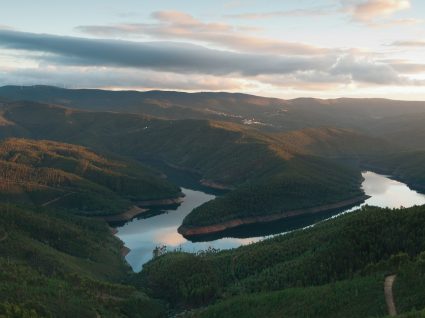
<point x="374" y="116"/>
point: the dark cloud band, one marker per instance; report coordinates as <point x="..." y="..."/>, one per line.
<point x="163" y="56"/>
<point x="185" y="58"/>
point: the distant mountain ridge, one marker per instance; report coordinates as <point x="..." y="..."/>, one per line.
<point x="370" y="116"/>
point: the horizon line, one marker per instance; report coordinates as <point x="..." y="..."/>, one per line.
<point x="108" y="89"/>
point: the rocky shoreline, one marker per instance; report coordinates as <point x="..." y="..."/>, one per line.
<point x="189" y="231"/>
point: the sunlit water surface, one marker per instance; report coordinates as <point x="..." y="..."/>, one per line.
<point x="141" y="236"/>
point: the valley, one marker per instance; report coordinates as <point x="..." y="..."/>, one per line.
<point x="212" y="159"/>
<point x="143" y="235"/>
<point x="225" y="201"/>
<point x="270" y="170"/>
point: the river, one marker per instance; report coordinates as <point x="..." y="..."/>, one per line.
<point x="141" y="236"/>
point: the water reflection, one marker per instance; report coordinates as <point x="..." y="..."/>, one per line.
<point x="385" y="192"/>
<point x="143" y="235"/>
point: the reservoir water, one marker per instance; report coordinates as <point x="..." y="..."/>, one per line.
<point x="141" y="236"/>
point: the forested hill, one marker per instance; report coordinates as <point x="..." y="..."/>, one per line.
<point x="47" y="173"/>
<point x="335" y="269"/>
<point x="296" y="175"/>
<point x="210" y="147"/>
<point x="378" y="117"/>
<point x="55" y="160"/>
<point x="53" y="264"/>
<point x="71" y="264"/>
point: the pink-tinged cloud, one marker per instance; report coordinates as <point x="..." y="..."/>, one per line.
<point x="413" y="43"/>
<point x="176" y="16"/>
<point x="405" y="66"/>
<point x="178" y="25"/>
<point x="409" y="68"/>
<point x="105" y="77"/>
<point x="389" y="23"/>
<point x="5" y="27"/>
<point x="187" y="59"/>
<point x="311" y="12"/>
<point x="370" y="10"/>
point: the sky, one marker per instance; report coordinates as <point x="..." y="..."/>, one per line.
<point x="286" y="49"/>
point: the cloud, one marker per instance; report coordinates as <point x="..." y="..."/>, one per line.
<point x="390" y="23"/>
<point x="395" y="22"/>
<point x="178" y="25"/>
<point x="317" y="11"/>
<point x="405" y="67"/>
<point x="101" y="77"/>
<point x="5" y="27"/>
<point x="365" y="70"/>
<point x="347" y="70"/>
<point x="171" y="65"/>
<point x="373" y="13"/>
<point x="310" y="80"/>
<point x="377" y="13"/>
<point x="181" y="18"/>
<point x="161" y="56"/>
<point x="418" y="43"/>
<point x="369" y="10"/>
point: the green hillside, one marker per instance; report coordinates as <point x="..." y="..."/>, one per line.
<point x="71" y="266"/>
<point x="226" y="154"/>
<point x="359" y="297"/>
<point x="270" y="172"/>
<point x="264" y="168"/>
<point x="47" y="173"/>
<point x="334" y="269"/>
<point x="304" y="182"/>
<point x="57" y="265"/>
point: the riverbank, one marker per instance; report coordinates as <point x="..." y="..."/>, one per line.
<point x="124" y="250"/>
<point x="142" y="207"/>
<point x="125" y="216"/>
<point x="215" y="185"/>
<point x="161" y="202"/>
<point x="220" y="227"/>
